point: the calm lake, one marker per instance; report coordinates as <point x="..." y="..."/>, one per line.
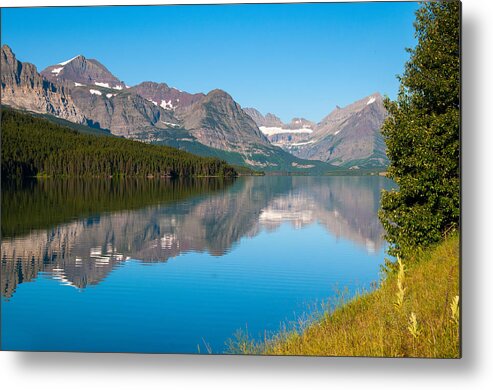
<point x="179" y="265"/>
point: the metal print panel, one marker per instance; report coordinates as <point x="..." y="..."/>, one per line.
<point x="232" y="179"/>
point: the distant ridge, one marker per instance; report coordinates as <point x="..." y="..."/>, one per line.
<point x="349" y="137"/>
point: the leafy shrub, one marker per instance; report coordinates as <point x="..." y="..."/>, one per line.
<point x="422" y="134"/>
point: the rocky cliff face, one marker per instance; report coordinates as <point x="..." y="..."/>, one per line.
<point x="218" y="121"/>
<point x="23" y="87"/>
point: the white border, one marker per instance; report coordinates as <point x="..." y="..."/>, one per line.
<point x="474" y="371"/>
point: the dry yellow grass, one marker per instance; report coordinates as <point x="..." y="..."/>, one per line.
<point x="414" y="313"/>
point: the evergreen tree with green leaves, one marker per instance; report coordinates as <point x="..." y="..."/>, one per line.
<point x="33" y="146"/>
<point x="422" y="134"/>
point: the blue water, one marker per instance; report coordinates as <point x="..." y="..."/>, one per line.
<point x="183" y="277"/>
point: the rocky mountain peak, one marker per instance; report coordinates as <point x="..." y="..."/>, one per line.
<point x="7" y="51"/>
<point x="273" y="120"/>
<point x="77" y="58"/>
<point x="82" y="71"/>
<point x="153" y="85"/>
<point x="269" y="120"/>
<point x="300" y="123"/>
<point x="10" y="65"/>
<point x="329" y="124"/>
<point x="216" y="120"/>
<point x="218" y="95"/>
<point x="221" y="101"/>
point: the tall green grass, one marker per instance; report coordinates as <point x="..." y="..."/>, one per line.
<point x="413" y="313"/>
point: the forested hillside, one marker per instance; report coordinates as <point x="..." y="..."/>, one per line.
<point x="37" y="147"/>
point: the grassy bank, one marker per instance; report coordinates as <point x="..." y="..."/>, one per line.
<point x="413" y="313"/>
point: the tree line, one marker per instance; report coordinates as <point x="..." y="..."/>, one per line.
<point x="34" y="146"/>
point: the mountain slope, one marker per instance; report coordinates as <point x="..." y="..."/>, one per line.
<point x="160" y="94"/>
<point x="218" y="121"/>
<point x="349" y="136"/>
<point x="123" y="113"/>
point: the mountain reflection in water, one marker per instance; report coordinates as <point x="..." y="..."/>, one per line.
<point x="77" y="232"/>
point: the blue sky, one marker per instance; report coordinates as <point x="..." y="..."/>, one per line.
<point x="289" y="59"/>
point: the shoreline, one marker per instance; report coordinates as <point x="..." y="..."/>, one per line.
<point x="425" y="323"/>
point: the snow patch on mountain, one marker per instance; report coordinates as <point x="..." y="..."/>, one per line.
<point x="171" y="124"/>
<point x="370" y="100"/>
<point x="95" y="92"/>
<point x="66" y="62"/>
<point x="166" y="105"/>
<point x="107" y="85"/>
<point x="279" y="130"/>
<point x="302" y="143"/>
<point x="57" y="70"/>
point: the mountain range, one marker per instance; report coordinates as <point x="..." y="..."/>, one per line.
<point x="349" y="137"/>
<point x="85" y="92"/>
